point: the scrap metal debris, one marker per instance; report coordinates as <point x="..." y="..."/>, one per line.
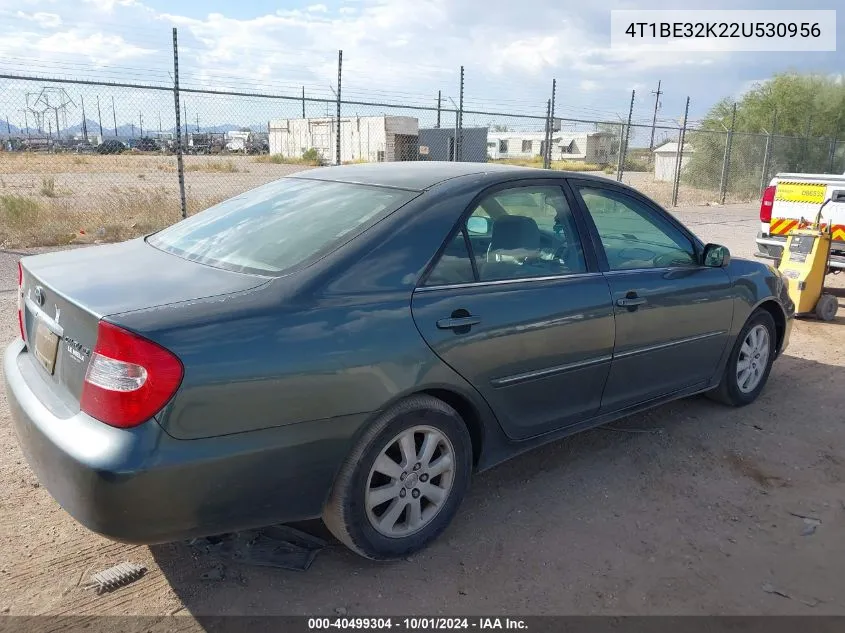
<point x="810" y="526"/>
<point x="278" y="546"/>
<point x="768" y="588"/>
<point x="117" y="576"/>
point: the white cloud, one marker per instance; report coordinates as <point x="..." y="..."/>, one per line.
<point x="589" y="85"/>
<point x="317" y="8"/>
<point x="42" y="18"/>
<point x="109" y="5"/>
<point x="347" y="10"/>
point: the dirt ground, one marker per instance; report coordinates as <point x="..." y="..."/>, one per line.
<point x="692" y="508"/>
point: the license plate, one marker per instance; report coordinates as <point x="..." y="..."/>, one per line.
<point x="46" y="346"/>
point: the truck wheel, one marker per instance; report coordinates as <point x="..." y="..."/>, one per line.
<point x="402" y="484"/>
<point x="826" y="307"/>
<point x="750" y="362"/>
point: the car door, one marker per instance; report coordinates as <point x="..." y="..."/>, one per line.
<point x="515" y="303"/>
<point x="673" y="314"/>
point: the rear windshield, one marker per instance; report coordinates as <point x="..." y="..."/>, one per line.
<point x="279" y="226"/>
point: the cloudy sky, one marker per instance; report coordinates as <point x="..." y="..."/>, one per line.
<point x="395" y="51"/>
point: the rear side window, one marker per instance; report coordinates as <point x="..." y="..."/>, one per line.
<point x="281" y="226"/>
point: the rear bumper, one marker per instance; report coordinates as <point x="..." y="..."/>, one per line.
<point x="140" y="485"/>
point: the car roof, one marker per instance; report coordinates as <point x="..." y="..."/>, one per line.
<point x="412" y="175"/>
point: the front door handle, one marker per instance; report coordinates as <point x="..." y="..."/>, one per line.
<point x="630" y="302"/>
<point x="455" y="323"/>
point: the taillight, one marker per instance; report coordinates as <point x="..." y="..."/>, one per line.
<point x="129" y="378"/>
<point x="766" y="203"/>
<point x="20" y="301"/>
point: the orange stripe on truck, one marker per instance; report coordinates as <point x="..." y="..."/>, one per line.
<point x="782" y="226"/>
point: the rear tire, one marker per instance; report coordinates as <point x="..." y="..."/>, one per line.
<point x="826" y="307"/>
<point x="401" y="485"/>
<point x="750" y="362"/>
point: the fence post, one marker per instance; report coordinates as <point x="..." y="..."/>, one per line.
<point x="303" y="102"/>
<point x="180" y="170"/>
<point x="339" y="76"/>
<point x="438" y="109"/>
<point x="831" y="156"/>
<point x="547" y="134"/>
<point x="680" y="157"/>
<point x="459" y="147"/>
<point x="100" y="119"/>
<point x="551" y="124"/>
<point x="770" y="139"/>
<point x="623" y="147"/>
<point x="114" y="116"/>
<point x="726" y="162"/>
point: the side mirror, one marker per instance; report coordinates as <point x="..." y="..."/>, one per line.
<point x="478" y="225"/>
<point x="716" y="256"/>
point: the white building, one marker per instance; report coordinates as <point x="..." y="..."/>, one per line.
<point x="366" y="138"/>
<point x="587" y="147"/>
<point x="666" y="159"/>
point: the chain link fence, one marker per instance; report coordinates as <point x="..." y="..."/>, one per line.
<point x="97" y="161"/>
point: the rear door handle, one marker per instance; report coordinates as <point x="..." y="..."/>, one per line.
<point x="454" y="323"/>
<point x="630" y="302"/>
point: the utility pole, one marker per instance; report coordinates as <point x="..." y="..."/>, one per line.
<point x="114" y="116"/>
<point x="438" y="109"/>
<point x="141" y="122"/>
<point x="133" y="130"/>
<point x="198" y="122"/>
<point x="185" y="109"/>
<point x="100" y="118"/>
<point x="84" y="123"/>
<point x="654" y="118"/>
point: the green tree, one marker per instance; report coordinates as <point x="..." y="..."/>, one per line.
<point x="806" y="113"/>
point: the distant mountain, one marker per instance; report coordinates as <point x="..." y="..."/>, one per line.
<point x="127" y="130"/>
<point x="7" y="128"/>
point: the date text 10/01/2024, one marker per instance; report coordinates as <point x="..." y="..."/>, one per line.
<point x="416" y="623"/>
<point x="723" y="29"/>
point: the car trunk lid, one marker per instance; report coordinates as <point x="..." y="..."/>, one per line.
<point x="66" y="293"/>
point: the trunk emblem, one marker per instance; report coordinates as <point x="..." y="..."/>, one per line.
<point x="39" y="295"/>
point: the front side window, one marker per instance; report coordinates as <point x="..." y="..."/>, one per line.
<point x="634" y="235"/>
<point x="525" y="232"/>
<point x="281" y="226"/>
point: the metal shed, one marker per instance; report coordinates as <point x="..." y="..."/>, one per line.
<point x="439" y="144"/>
<point x="666" y="159"/>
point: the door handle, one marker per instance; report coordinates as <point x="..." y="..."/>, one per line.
<point x="454" y="323"/>
<point x="631" y="302"/>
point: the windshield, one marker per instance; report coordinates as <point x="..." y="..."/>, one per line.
<point x="282" y="225"/>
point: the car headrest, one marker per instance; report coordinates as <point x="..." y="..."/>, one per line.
<point x="513" y="232"/>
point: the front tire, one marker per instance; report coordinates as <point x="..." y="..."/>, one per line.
<point x="403" y="482"/>
<point x="750" y="362"/>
